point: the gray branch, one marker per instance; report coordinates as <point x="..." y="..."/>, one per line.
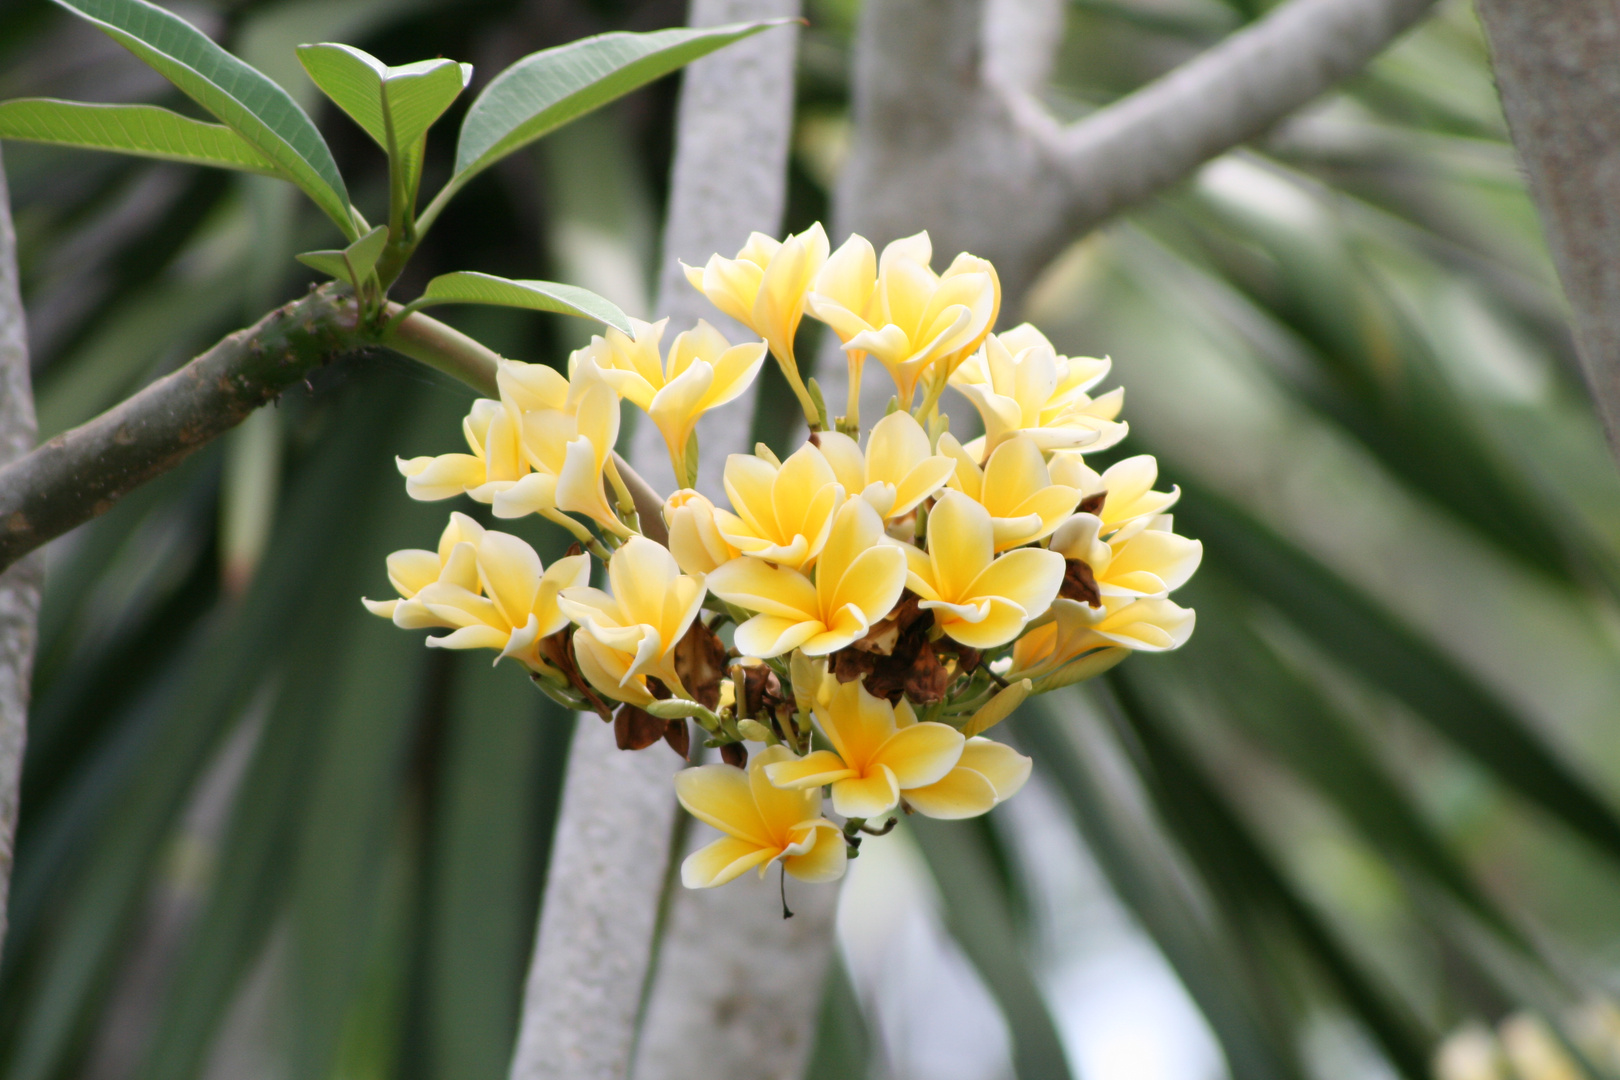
<point x="949" y="137"/>
<point x="595" y="944"/>
<point x="1555" y="68"/>
<point x="735" y="992"/>
<point x="20" y="584"/>
<point x="1228" y="95"/>
<point x="81" y="473"/>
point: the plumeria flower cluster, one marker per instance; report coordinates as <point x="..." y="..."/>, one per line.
<point x="847" y="622"/>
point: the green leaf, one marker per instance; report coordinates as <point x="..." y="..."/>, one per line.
<point x="977" y="912"/>
<point x="1092" y="774"/>
<point x="354" y="263"/>
<point x="143" y="130"/>
<point x="241" y="97"/>
<point x="1258" y="896"/>
<point x="471" y="287"/>
<point x="547" y="89"/>
<point x="395" y="105"/>
<point x="1350" y="625"/>
<point x="416" y="94"/>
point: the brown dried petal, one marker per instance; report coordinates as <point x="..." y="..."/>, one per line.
<point x="1092" y="504"/>
<point x="1079" y="584"/>
<point x="734" y="754"/>
<point x="636" y="729"/>
<point x="758" y="689"/>
<point x="700" y="661"/>
<point x="558" y="651"/>
<point x="679" y="736"/>
<point x="885" y="634"/>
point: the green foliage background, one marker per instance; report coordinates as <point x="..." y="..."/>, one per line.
<point x="266" y="833"/>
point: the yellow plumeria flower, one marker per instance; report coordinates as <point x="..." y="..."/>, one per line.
<point x="507" y="603"/>
<point x="628" y="636"/>
<point x="412" y="570"/>
<point x="762" y="823"/>
<point x="902" y="312"/>
<point x="878" y="752"/>
<point x="587" y="458"/>
<point x="1146" y="559"/>
<point x="496" y="461"/>
<point x="898" y="470"/>
<point x="764" y="288"/>
<point x="857" y="582"/>
<point x="1156" y="625"/>
<point x="1019" y="383"/>
<point x="979" y="599"/>
<point x="1016" y="488"/>
<point x="702" y="371"/>
<point x="986" y="774"/>
<point x="694" y="535"/>
<point x="1127" y="485"/>
<point x="784" y="511"/>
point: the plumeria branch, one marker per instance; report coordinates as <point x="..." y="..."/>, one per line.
<point x="1565" y="123"/>
<point x="19" y="585"/>
<point x="82" y="473"/>
<point x="986" y="168"/>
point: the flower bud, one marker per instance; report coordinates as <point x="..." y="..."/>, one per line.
<point x="694" y="539"/>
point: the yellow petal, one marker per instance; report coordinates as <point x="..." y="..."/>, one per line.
<point x="724" y="860"/>
<point x="781" y="808"/>
<point x="920" y="754"/>
<point x="767" y="636"/>
<point x="963" y="793"/>
<point x="845" y="457"/>
<point x="1005" y="768"/>
<point x="1029" y="577"/>
<point x="856" y="723"/>
<point x="471" y="637"/>
<point x="960" y="543"/>
<point x="429" y="479"/>
<point x="384" y="608"/>
<point x="722" y="796"/>
<point x="758" y="586"/>
<point x="536" y="493"/>
<point x="817" y="768"/>
<point x="509" y="571"/>
<point x="411" y="570"/>
<point x="568" y="572"/>
<point x="825" y="859"/>
<point x="867" y="796"/>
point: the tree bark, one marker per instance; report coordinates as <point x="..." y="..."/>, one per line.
<point x="81" y="473"/>
<point x="610" y="864"/>
<point x="736" y="987"/>
<point x="20" y="584"/>
<point x="949" y="136"/>
<point x="1560" y="88"/>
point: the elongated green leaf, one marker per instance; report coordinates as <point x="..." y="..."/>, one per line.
<point x="142" y="130"/>
<point x="1247" y="881"/>
<point x="242" y="98"/>
<point x="1355" y="628"/>
<point x="1294" y="719"/>
<point x="395" y="105"/>
<point x="547" y="89"/>
<point x="977" y="913"/>
<point x="471" y="287"/>
<point x="1091" y="773"/>
<point x="354" y="263"/>
<point x="415" y="94"/>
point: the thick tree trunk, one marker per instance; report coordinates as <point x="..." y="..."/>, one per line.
<point x="19" y="585"/>
<point x="1555" y="68"/>
<point x="736" y="988"/>
<point x="609" y="865"/>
